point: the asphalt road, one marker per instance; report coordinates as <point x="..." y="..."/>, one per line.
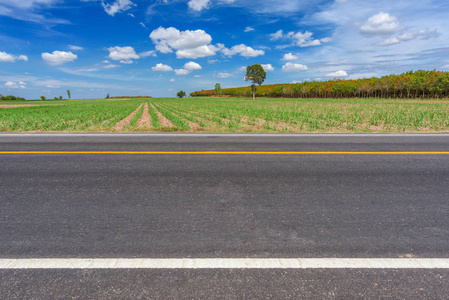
<point x="224" y="206"/>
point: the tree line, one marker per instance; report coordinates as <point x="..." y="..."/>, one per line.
<point x="412" y="84"/>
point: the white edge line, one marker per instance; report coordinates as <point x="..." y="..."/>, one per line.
<point x="226" y="263"/>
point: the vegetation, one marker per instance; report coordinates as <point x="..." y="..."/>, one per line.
<point x="43" y="98"/>
<point x="68" y="94"/>
<point x="230" y="115"/>
<point x="409" y="85"/>
<point x="218" y="90"/>
<point x="257" y="75"/>
<point x="11" y="98"/>
<point x="181" y="94"/>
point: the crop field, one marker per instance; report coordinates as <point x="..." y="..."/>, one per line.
<point x="226" y="115"/>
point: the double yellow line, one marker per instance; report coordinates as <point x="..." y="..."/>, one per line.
<point x="237" y="152"/>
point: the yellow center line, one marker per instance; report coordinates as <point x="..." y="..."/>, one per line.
<point x="236" y="152"/>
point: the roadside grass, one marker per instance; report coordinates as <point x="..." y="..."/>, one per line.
<point x="232" y="115"/>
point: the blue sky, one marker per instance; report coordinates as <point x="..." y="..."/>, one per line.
<point x="156" y="48"/>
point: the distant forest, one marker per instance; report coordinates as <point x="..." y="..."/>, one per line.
<point x="419" y="84"/>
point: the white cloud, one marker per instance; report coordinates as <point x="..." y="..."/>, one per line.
<point x="248" y="29"/>
<point x="124" y="54"/>
<point x="172" y="80"/>
<point x="197" y="76"/>
<point x="162" y="68"/>
<point x="268" y="67"/>
<point x="29" y="10"/>
<point x="106" y="61"/>
<point x="181" y="72"/>
<point x="6" y="57"/>
<point x="301" y="39"/>
<point x="202" y="51"/>
<point x="277" y="35"/>
<point x="198" y="5"/>
<point x="242" y="69"/>
<point x="117" y="7"/>
<point x="59" y="57"/>
<point x="243" y="50"/>
<point x="188" y="44"/>
<point x="192" y="66"/>
<point x="15" y="85"/>
<point x="380" y="24"/>
<point x="223" y="75"/>
<point x="291" y="67"/>
<point x="408" y="36"/>
<point x="148" y="53"/>
<point x="337" y="74"/>
<point x="75" y="48"/>
<point x="289" y="57"/>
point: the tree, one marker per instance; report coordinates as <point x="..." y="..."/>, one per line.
<point x="107" y="96"/>
<point x="181" y="94"/>
<point x="218" y="90"/>
<point x="43" y="98"/>
<point x="60" y="97"/>
<point x="257" y="75"/>
<point x="68" y="94"/>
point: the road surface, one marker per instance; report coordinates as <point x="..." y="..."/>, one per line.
<point x="154" y="196"/>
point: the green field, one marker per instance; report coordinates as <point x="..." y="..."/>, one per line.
<point x="226" y="115"/>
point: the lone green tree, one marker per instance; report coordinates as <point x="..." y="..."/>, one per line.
<point x="181" y="94"/>
<point x="43" y="98"/>
<point x="218" y="90"/>
<point x="257" y="75"/>
<point x="68" y="94"/>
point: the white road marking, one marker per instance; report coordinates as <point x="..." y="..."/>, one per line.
<point x="225" y="263"/>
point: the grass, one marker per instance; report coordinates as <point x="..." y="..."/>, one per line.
<point x="231" y="115"/>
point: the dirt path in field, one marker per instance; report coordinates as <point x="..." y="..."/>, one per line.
<point x="18" y="105"/>
<point x="163" y="120"/>
<point x="121" y="124"/>
<point x="145" y="120"/>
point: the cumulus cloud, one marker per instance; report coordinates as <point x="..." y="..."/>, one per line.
<point x="148" y="53"/>
<point x="75" y="48"/>
<point x="248" y="29"/>
<point x="192" y="66"/>
<point x="301" y="39"/>
<point x="181" y="72"/>
<point x="172" y="80"/>
<point x="292" y="68"/>
<point x="188" y="44"/>
<point x="408" y="36"/>
<point x="198" y="5"/>
<point x="289" y="57"/>
<point x="15" y="85"/>
<point x="380" y="24"/>
<point x="243" y="50"/>
<point x="117" y="6"/>
<point x="162" y="68"/>
<point x="337" y="74"/>
<point x="6" y="57"/>
<point x="202" y="51"/>
<point x="268" y="67"/>
<point x="223" y="75"/>
<point x="123" y="54"/>
<point x="59" y="57"/>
